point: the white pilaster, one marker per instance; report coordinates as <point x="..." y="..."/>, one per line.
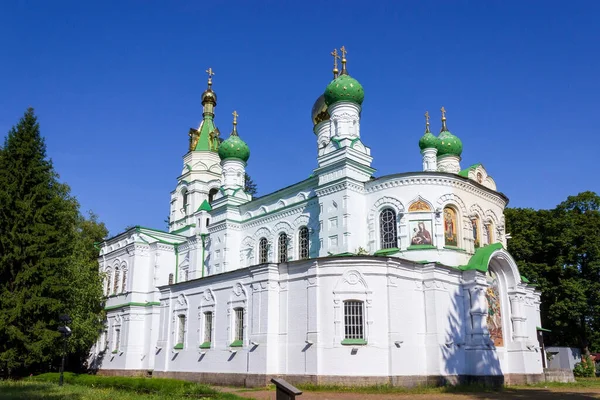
<point x="429" y="159"/>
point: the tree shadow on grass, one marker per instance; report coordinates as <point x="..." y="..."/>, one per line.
<point x="35" y="391"/>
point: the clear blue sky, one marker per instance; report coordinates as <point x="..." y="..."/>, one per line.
<point x="117" y="85"/>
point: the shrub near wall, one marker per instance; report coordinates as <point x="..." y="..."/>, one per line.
<point x="171" y="387"/>
<point x="585" y="369"/>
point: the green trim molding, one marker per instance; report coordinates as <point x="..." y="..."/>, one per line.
<point x="455" y="248"/>
<point x="539" y="328"/>
<point x="178" y="346"/>
<point x="205" y="345"/>
<point x="385" y="252"/>
<point x="237" y="343"/>
<point x="481" y="259"/>
<point x="354" y="342"/>
<point x="420" y="247"/>
<point x="465" y="172"/>
<point x="524" y="280"/>
<point x="115" y="351"/>
<point x="133" y="304"/>
<point x="205" y="206"/>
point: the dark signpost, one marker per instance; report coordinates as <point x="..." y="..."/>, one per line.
<point x="66" y="332"/>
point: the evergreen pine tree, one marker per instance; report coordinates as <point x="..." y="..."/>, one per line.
<point x="38" y="243"/>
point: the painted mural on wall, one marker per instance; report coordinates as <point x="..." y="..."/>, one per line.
<point x="450" y="238"/>
<point x="476" y="231"/>
<point x="420" y="232"/>
<point x="494" y="317"/>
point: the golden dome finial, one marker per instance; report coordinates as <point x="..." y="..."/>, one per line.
<point x="343" y="50"/>
<point x="336" y="57"/>
<point x="444" y="128"/>
<point x="210" y="73"/>
<point x="427" y="122"/>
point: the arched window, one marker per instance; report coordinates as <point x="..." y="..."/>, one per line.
<point x="489" y="232"/>
<point x="450" y="227"/>
<point x="263" y="251"/>
<point x="387" y="229"/>
<point x="211" y="195"/>
<point x="184" y="193"/>
<point x="108" y="281"/>
<point x="282" y="247"/>
<point x="124" y="284"/>
<point x="116" y="282"/>
<point x="303" y="243"/>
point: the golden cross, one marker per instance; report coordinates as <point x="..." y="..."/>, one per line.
<point x="210" y="73"/>
<point x="336" y="57"/>
<point x="235" y="115"/>
<point x="343" y="50"/>
<point x="443" y="110"/>
<point x="427" y="117"/>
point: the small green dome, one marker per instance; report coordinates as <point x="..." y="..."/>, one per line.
<point x="234" y="147"/>
<point x="428" y="141"/>
<point x="448" y="144"/>
<point x="344" y="88"/>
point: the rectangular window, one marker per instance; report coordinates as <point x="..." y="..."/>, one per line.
<point x="117" y="340"/>
<point x="208" y="326"/>
<point x="180" y="332"/>
<point x="238" y="328"/>
<point x="353" y="320"/>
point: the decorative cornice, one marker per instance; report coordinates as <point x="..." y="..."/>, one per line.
<point x="455" y="182"/>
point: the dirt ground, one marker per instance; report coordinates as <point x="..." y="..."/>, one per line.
<point x="505" y="394"/>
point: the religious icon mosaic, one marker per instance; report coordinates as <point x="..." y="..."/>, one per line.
<point x="420" y="232"/>
<point x="450" y="224"/>
<point x="494" y="317"/>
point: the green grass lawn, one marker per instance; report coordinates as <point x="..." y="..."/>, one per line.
<point x="37" y="390"/>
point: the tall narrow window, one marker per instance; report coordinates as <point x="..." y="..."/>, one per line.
<point x="208" y="326"/>
<point x="238" y="333"/>
<point x="476" y="232"/>
<point x="180" y="331"/>
<point x="387" y="229"/>
<point x="303" y="243"/>
<point x="184" y="193"/>
<point x="282" y="248"/>
<point x="489" y="230"/>
<point x="211" y="195"/>
<point x="353" y="320"/>
<point x="117" y="340"/>
<point x="116" y="282"/>
<point x="124" y="283"/>
<point x="263" y="251"/>
<point x="170" y="279"/>
<point x="108" y="281"/>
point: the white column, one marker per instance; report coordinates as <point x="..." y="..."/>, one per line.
<point x="429" y="159"/>
<point x="448" y="163"/>
<point x="323" y="132"/>
<point x="345" y="120"/>
<point x="517" y="317"/>
<point x="233" y="171"/>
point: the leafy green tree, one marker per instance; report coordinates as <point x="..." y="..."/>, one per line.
<point x="559" y="250"/>
<point x="249" y="185"/>
<point x="45" y="263"/>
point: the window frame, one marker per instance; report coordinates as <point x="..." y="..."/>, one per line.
<point x="384" y="245"/>
<point x="237" y="325"/>
<point x="303" y="243"/>
<point x="263" y="250"/>
<point x="282" y="247"/>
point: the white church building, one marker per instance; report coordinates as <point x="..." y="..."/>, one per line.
<point x="344" y="277"/>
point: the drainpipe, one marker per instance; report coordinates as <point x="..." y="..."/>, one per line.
<point x="176" y="247"/>
<point x="203" y="236"/>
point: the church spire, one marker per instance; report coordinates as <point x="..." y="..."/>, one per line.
<point x="336" y="57"/>
<point x="206" y="136"/>
<point x="344" y="70"/>
<point x="444" y="127"/>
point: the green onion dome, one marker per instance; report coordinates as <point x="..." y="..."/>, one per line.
<point x="319" y="110"/>
<point x="344" y="88"/>
<point x="234" y="147"/>
<point x="428" y="140"/>
<point x="447" y="143"/>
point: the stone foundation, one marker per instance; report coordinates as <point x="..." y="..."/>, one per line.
<point x="260" y="380"/>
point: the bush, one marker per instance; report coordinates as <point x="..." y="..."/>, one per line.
<point x="585" y="369"/>
<point x="138" y="385"/>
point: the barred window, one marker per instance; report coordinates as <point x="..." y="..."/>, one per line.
<point x="303" y="243"/>
<point x="387" y="229"/>
<point x="124" y="285"/>
<point x="181" y="330"/>
<point x="239" y="324"/>
<point x="208" y="322"/>
<point x="263" y="251"/>
<point x="282" y="248"/>
<point x="170" y="279"/>
<point x="116" y="282"/>
<point x="353" y="320"/>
